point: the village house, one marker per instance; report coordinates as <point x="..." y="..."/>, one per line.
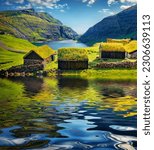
<point x="40" y="56"/>
<point x="112" y="51"/>
<point x="118" y="49"/>
<point x="72" y="59"/>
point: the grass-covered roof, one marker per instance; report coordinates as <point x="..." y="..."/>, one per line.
<point x="131" y="47"/>
<point x="119" y="47"/>
<point x="72" y="54"/>
<point x="112" y="47"/>
<point x="43" y="51"/>
<point x="122" y="41"/>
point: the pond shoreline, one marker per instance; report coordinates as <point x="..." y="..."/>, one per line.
<point x="106" y="74"/>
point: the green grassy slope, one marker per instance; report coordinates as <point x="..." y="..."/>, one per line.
<point x="8" y="59"/>
<point x="12" y="50"/>
<point x="16" y="44"/>
<point x="22" y="27"/>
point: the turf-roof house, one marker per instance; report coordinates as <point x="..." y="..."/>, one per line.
<point x="41" y="55"/>
<point x="118" y="49"/>
<point x="72" y="59"/>
<point x="112" y="50"/>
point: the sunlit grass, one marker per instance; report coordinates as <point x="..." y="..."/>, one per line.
<point x="16" y="44"/>
<point x="105" y="74"/>
<point x="9" y="59"/>
<point x="110" y="74"/>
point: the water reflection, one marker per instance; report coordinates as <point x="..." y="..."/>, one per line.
<point x="73" y="83"/>
<point x="32" y="85"/>
<point x="113" y="92"/>
<point x="67" y="113"/>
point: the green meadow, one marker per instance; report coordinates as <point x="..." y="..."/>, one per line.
<point x="16" y="44"/>
<point x="9" y="59"/>
<point x="12" y="50"/>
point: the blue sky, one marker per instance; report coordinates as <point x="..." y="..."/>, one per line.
<point x="77" y="14"/>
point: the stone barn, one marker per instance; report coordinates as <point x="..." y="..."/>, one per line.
<point x="40" y="56"/>
<point x="72" y="59"/>
<point x="112" y="51"/>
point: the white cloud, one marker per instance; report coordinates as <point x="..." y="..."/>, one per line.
<point x="89" y="2"/>
<point x="39" y="7"/>
<point x="124" y="7"/>
<point x="28" y="6"/>
<point x="19" y="1"/>
<point x="8" y="3"/>
<point x="111" y="2"/>
<point x="121" y="1"/>
<point x="45" y="2"/>
<point x="61" y="6"/>
<point x="107" y="12"/>
<point x="103" y="10"/>
<point x="51" y="4"/>
<point x="130" y="1"/>
<point x="62" y="10"/>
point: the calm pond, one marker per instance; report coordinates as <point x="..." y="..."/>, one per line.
<point x="66" y="113"/>
<point x="65" y="43"/>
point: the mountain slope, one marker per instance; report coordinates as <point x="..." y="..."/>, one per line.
<point x="33" y="26"/>
<point x="122" y="25"/>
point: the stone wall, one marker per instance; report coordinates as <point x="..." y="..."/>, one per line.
<point x="32" y="62"/>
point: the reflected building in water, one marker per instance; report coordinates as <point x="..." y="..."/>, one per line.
<point x="32" y="86"/>
<point x="72" y="83"/>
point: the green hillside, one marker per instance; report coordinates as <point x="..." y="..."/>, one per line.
<point x="34" y="26"/>
<point x="12" y="50"/>
<point x="15" y="44"/>
<point x="9" y="59"/>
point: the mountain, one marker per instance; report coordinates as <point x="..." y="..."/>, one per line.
<point x="121" y="25"/>
<point x="34" y="26"/>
